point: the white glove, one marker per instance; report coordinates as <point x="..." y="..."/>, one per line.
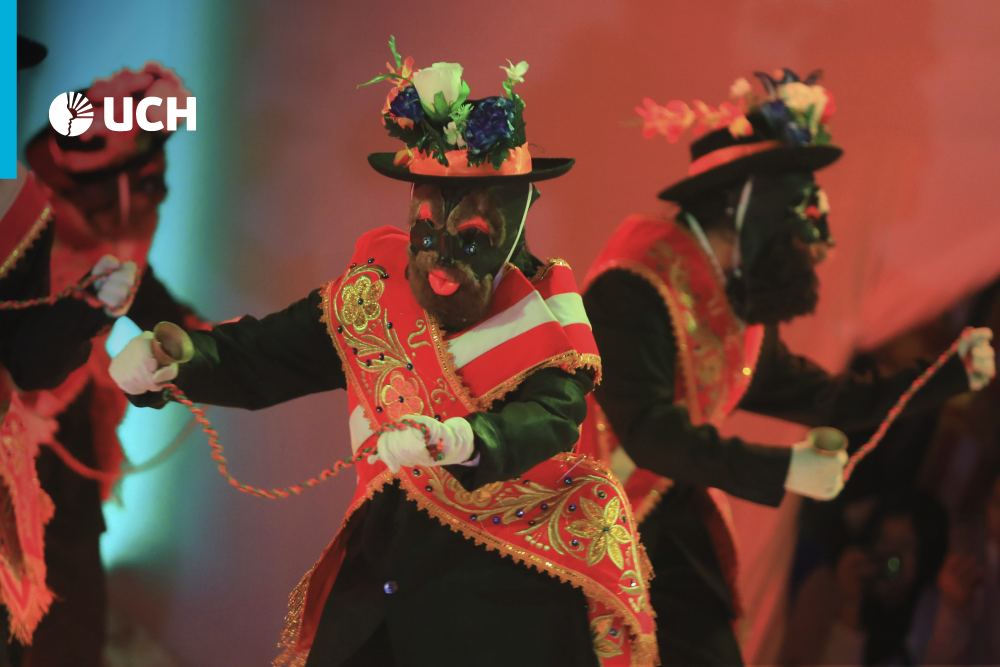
<point x="134" y="369"/>
<point x="815" y="474"/>
<point x="115" y="290"/>
<point x="978" y="356"/>
<point x="406" y="447"/>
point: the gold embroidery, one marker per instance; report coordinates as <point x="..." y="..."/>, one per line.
<point x="360" y="300"/>
<point x="607" y="637"/>
<point x="644" y="649"/>
<point x="400" y="396"/>
<point x="440" y="392"/>
<point x="380" y="355"/>
<point x="29" y="239"/>
<point x="602" y="528"/>
<point x="420" y="331"/>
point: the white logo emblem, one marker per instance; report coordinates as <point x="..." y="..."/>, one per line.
<point x="71" y="114"/>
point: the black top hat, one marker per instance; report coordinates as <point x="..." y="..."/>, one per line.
<point x="542" y="169"/>
<point x="719" y="159"/>
<point x="29" y="52"/>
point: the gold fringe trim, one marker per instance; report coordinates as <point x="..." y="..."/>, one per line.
<point x="29" y="239"/>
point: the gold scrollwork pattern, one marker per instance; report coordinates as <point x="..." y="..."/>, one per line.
<point x="564" y="520"/>
<point x="373" y="340"/>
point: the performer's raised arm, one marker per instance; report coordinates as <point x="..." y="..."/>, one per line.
<point x="250" y="363"/>
<point x="794" y="388"/>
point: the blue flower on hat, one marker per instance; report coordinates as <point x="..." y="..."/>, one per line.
<point x="781" y="119"/>
<point x="407" y="105"/>
<point x="491" y="121"/>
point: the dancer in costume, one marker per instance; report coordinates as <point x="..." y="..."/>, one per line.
<point x="107" y="188"/>
<point x="39" y="346"/>
<point x="474" y="535"/>
<point x="685" y="313"/>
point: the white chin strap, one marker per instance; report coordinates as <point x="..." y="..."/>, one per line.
<point x="741" y="212"/>
<point x="520" y="230"/>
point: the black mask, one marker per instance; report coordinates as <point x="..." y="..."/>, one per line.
<point x="777" y="280"/>
<point x="459" y="239"/>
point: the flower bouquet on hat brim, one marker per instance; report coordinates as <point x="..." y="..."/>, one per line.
<point x="796" y="109"/>
<point x="429" y="110"/>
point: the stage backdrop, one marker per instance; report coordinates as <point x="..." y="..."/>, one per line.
<point x="270" y="192"/>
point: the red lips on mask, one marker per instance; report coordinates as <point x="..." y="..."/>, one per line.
<point x="442" y="283"/>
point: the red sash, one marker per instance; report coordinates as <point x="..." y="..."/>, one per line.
<point x="24" y="510"/>
<point x="22" y="223"/>
<point x="567" y="517"/>
<point x="717" y="354"/>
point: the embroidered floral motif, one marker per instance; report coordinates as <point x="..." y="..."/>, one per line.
<point x="361" y="302"/>
<point x="602" y="527"/>
<point x="607" y="636"/>
<point x="401" y="396"/>
<point x="480" y="497"/>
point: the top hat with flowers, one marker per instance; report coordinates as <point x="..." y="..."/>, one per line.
<point x="452" y="139"/>
<point x="783" y="129"/>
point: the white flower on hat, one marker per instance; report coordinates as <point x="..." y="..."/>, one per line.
<point x="444" y="79"/>
<point x="739" y="88"/>
<point x="453" y="135"/>
<point x="515" y="73"/>
<point x="802" y="97"/>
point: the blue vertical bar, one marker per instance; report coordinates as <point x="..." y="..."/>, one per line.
<point x="8" y="88"/>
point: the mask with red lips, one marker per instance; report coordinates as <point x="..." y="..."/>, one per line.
<point x="460" y="237"/>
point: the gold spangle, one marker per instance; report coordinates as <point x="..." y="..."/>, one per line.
<point x="36" y="229"/>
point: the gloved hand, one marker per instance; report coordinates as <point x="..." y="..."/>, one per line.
<point x="978" y="356"/>
<point x="135" y="370"/>
<point x="115" y="290"/>
<point x="814" y="473"/>
<point x="449" y="442"/>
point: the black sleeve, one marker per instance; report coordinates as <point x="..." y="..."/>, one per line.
<point x="42" y="345"/>
<point x="255" y="363"/>
<point x="794" y="388"/>
<point x="154" y="304"/>
<point x="537" y="421"/>
<point x="639" y="355"/>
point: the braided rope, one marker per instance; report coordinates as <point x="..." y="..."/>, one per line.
<point x="281" y="493"/>
<point x="897" y="409"/>
<point x="77" y="291"/>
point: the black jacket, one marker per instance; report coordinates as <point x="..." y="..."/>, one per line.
<point x="442" y="599"/>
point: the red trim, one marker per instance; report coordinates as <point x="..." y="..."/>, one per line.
<point x="728" y="154"/>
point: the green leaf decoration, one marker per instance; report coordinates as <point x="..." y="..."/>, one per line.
<point x="378" y="79"/>
<point x="395" y="53"/>
<point x="463" y="94"/>
<point x="441" y="107"/>
<point x="460" y="114"/>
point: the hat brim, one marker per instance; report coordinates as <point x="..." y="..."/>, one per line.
<point x="542" y="169"/>
<point x="29" y="52"/>
<point x="801" y="158"/>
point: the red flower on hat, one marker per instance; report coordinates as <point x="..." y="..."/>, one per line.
<point x="670" y="121"/>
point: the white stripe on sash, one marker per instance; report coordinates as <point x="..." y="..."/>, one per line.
<point x="530" y="312"/>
